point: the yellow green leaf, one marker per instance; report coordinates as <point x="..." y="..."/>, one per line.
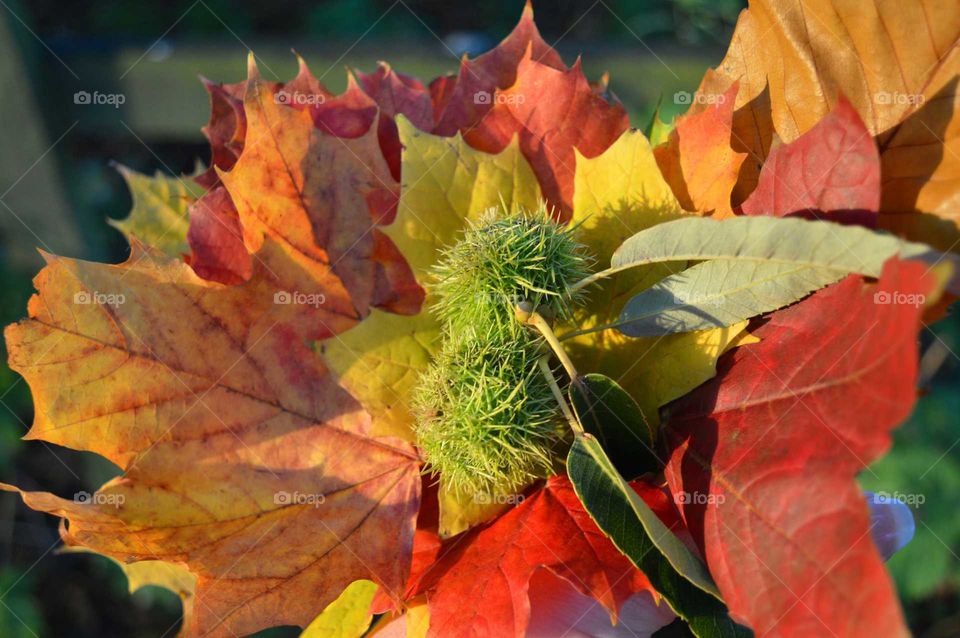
<point x="348" y="616"/>
<point x="618" y="194"/>
<point x="459" y="511"/>
<point x="159" y="216"/>
<point x="378" y="362"/>
<point x="445" y="184"/>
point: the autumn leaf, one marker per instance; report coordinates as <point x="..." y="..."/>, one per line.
<point x="556" y="609"/>
<point x="833" y="168"/>
<point x="348" y="115"/>
<point x="226" y="129"/>
<point x="213" y="405"/>
<point x="896" y="63"/>
<point x="318" y="195"/>
<point x="920" y="167"/>
<point x="379" y="362"/>
<point x="348" y="616"/>
<point x="217" y="251"/>
<point x="575" y="119"/>
<point x="160" y="210"/>
<point x="461" y="102"/>
<point x="396" y="94"/>
<point x="773" y="443"/>
<point x="698" y="160"/>
<point x="445" y="184"/>
<point x="494" y="564"/>
<point x="617" y="194"/>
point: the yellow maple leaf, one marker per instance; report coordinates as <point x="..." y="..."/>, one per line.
<point x="618" y="194"/>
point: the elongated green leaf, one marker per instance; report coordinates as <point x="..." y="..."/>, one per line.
<point x="606" y="411"/>
<point x="750" y="265"/>
<point x="714" y="294"/>
<point x="637" y="532"/>
<point x="766" y="240"/>
<point x="159" y="216"/>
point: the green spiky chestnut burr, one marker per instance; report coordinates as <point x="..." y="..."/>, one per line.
<point x="487" y="420"/>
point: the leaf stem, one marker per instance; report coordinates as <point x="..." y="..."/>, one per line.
<point x="538" y="322"/>
<point x="594" y="278"/>
<point x="558" y="395"/>
<point x="585" y="331"/>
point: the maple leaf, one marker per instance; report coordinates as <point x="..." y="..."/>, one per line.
<point x="550" y="529"/>
<point x="217" y="251"/>
<point x="395" y="94"/>
<point x="215" y="406"/>
<point x="698" y="161"/>
<point x="160" y="210"/>
<point x="575" y="117"/>
<point x="773" y="443"/>
<point x="446" y="183"/>
<point x="461" y="102"/>
<point x="319" y="195"/>
<point x="832" y="168"/>
<point x="896" y="63"/>
<point x="225" y="130"/>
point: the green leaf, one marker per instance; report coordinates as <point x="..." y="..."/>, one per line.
<point x="348" y="616"/>
<point x="160" y="214"/>
<point x="767" y="240"/>
<point x="606" y="411"/>
<point x="714" y="294"/>
<point x="750" y="265"/>
<point x="657" y="131"/>
<point x="672" y="569"/>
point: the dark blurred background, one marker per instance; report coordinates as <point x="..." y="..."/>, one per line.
<point x="57" y="189"/>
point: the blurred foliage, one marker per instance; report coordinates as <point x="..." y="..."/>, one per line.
<point x="682" y="21"/>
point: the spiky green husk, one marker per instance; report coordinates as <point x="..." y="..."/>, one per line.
<point x="487" y="421"/>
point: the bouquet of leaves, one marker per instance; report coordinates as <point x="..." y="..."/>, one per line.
<point x="476" y="358"/>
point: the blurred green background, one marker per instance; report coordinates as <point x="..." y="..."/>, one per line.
<point x="57" y="188"/>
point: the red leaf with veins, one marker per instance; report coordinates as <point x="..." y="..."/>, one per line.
<point x="349" y="115"/>
<point x="225" y="130"/>
<point x="492" y="566"/>
<point x="777" y="438"/>
<point x="574" y="117"/>
<point x="495" y="69"/>
<point x="216" y="239"/>
<point x="833" y="168"/>
<point x="396" y="93"/>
